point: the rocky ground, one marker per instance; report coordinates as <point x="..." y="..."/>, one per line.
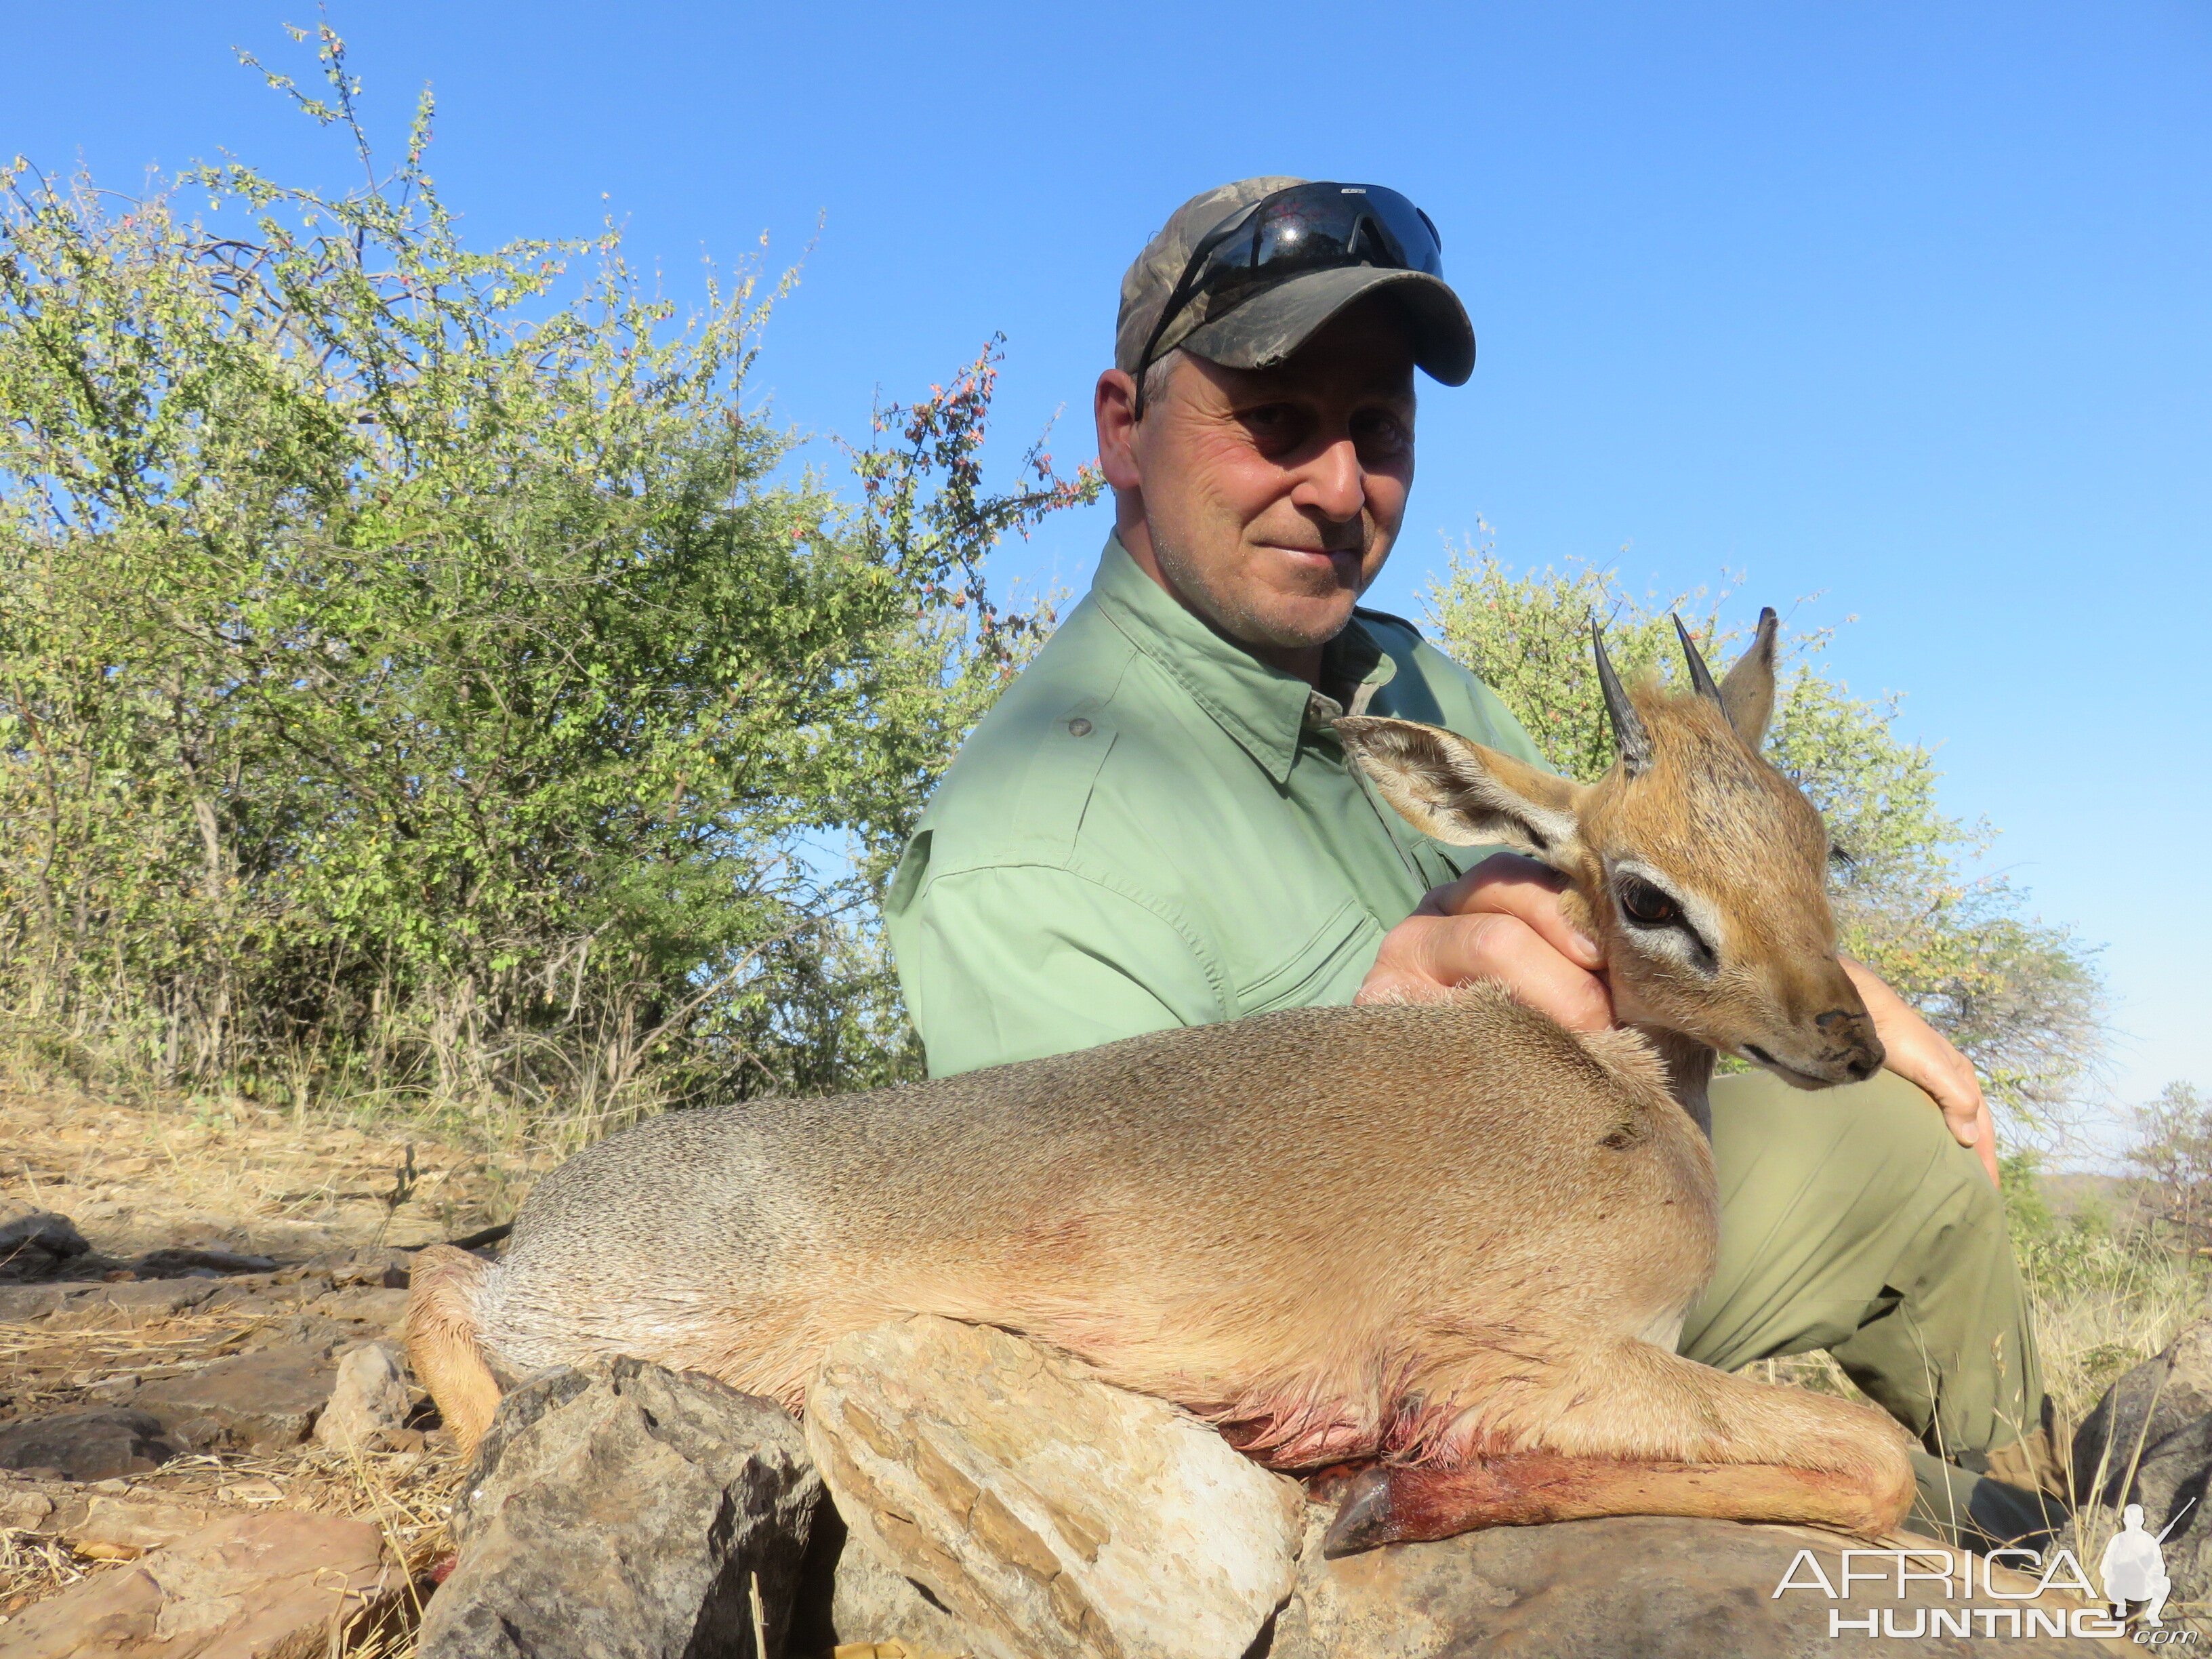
<point x="180" y="1290"/>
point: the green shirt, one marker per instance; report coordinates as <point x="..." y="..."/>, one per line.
<point x="1153" y="828"/>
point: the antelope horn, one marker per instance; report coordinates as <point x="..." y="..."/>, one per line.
<point x="1700" y="676"/>
<point x="1629" y="736"/>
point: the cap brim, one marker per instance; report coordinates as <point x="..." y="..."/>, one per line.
<point x="1272" y="324"/>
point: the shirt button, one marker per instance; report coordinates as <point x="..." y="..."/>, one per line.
<point x="1079" y="727"/>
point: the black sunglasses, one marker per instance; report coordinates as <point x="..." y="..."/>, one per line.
<point x="1314" y="227"/>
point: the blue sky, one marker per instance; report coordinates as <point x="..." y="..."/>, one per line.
<point x="1909" y="306"/>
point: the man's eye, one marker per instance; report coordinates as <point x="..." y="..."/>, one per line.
<point x="1646" y="905"/>
<point x="1380" y="435"/>
<point x="1272" y="422"/>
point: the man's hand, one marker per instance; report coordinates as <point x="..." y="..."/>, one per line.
<point x="1922" y="1056"/>
<point x="1499" y="921"/>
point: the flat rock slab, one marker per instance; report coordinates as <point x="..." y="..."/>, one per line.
<point x="125" y="1521"/>
<point x="1050" y="1514"/>
<point x="262" y="1401"/>
<point x="1645" y="1587"/>
<point x="624" y="1511"/>
<point x="73" y="1306"/>
<point x="275" y="1585"/>
<point x="92" y="1445"/>
<point x="377" y="1265"/>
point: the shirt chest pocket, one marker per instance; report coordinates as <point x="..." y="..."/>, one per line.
<point x="1325" y="970"/>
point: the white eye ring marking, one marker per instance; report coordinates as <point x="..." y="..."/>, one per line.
<point x="1692" y="936"/>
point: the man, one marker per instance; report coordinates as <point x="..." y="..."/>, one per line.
<point x="1156" y="826"/>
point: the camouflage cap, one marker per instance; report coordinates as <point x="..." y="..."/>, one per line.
<point x="1261" y="331"/>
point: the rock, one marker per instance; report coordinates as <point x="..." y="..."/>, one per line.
<point x="253" y="1402"/>
<point x="177" y="1262"/>
<point x="149" y="1298"/>
<point x="1049" y="1513"/>
<point x="252" y="1295"/>
<point x="623" y="1511"/>
<point x="872" y="1602"/>
<point x="2158" y="1398"/>
<point x="253" y="1586"/>
<point x="368" y="1304"/>
<point x="105" y="1306"/>
<point x="21" y="1303"/>
<point x="2148" y="1441"/>
<point x="377" y="1265"/>
<point x="131" y="1521"/>
<point x="2171" y="1481"/>
<point x="1644" y="1587"/>
<point x="24" y="1508"/>
<point x="369" y="1402"/>
<point x="95" y="1445"/>
<point x="127" y="1522"/>
<point x="37" y="1243"/>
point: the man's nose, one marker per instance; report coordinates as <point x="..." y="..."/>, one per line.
<point x="1335" y="484"/>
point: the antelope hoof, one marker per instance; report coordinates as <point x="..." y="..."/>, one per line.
<point x="1363" y="1519"/>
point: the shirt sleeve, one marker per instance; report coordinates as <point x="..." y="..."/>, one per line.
<point x="1013" y="961"/>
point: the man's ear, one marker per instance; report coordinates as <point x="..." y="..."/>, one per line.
<point x="1114" y="411"/>
<point x="1461" y="792"/>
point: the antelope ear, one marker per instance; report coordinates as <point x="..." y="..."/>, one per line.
<point x="1748" y="693"/>
<point x="1459" y="791"/>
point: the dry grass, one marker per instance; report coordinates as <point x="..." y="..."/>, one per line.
<point x="2103" y="1304"/>
<point x="32" y="1568"/>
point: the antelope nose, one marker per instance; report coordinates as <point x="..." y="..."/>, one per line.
<point x="1851" y="1042"/>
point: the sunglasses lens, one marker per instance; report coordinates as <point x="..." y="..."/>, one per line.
<point x="1416" y="237"/>
<point x="1320" y="226"/>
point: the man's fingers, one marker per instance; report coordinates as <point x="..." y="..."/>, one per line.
<point x="1425" y="957"/>
<point x="1974" y="1128"/>
<point x="1526" y="960"/>
<point x="1507" y="884"/>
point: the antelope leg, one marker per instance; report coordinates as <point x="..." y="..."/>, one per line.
<point x="1397" y="1504"/>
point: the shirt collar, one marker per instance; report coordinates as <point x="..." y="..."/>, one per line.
<point x="1265" y="710"/>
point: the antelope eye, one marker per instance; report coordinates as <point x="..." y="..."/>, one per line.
<point x="1646" y="905"/>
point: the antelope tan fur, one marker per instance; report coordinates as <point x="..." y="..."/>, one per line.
<point x="1451" y="1242"/>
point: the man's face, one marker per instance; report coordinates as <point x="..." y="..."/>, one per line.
<point x="1267" y="500"/>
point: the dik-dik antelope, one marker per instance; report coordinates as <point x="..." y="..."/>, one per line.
<point x="1451" y="1240"/>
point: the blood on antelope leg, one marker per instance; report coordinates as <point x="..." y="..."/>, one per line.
<point x="1401" y="1503"/>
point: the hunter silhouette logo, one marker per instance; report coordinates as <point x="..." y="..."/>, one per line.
<point x="2133" y="1566"/>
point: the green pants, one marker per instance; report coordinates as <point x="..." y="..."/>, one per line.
<point x="1850" y="1220"/>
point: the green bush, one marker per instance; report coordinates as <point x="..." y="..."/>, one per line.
<point x="419" y="676"/>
